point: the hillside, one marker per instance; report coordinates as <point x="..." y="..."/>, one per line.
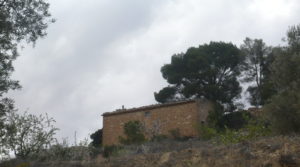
<point x="280" y="151"/>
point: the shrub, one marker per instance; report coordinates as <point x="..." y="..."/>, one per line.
<point x="234" y="120"/>
<point x="134" y="133"/>
<point x="112" y="150"/>
<point x="96" y="138"/>
<point x="64" y="152"/>
<point x="206" y="132"/>
<point x="254" y="129"/>
<point x="287" y="160"/>
<point x="29" y="134"/>
<point x="230" y="136"/>
<point x="284" y="112"/>
<point x="158" y="138"/>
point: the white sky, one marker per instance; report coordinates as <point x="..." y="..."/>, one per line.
<point x="102" y="54"/>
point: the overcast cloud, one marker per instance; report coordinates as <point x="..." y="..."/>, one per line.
<point x="102" y="54"/>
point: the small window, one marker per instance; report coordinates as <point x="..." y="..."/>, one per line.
<point x="147" y="113"/>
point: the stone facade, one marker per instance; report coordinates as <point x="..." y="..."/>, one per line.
<point x="157" y="119"/>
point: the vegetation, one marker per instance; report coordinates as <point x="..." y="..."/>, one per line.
<point x="209" y="71"/>
<point x="284" y="108"/>
<point x="205" y="132"/>
<point x="96" y="138"/>
<point x="112" y="150"/>
<point x="29" y="134"/>
<point x="212" y="71"/>
<point x="258" y="58"/>
<point x="20" y="21"/>
<point x="234" y="120"/>
<point x="134" y="133"/>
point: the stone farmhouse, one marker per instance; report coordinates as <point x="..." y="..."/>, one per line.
<point x="157" y="119"/>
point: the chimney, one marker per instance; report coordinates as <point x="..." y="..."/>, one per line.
<point x="123" y="108"/>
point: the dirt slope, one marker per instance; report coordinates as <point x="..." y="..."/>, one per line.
<point x="266" y="152"/>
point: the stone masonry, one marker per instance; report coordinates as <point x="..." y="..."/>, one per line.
<point x="157" y="119"/>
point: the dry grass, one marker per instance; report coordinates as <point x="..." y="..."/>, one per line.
<point x="280" y="151"/>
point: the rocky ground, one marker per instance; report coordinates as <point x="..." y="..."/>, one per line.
<point x="280" y="151"/>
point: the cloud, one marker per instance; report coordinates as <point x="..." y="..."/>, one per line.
<point x="100" y="55"/>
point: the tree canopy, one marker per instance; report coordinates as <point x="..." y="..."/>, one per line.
<point x="209" y="71"/>
<point x="284" y="108"/>
<point x="96" y="138"/>
<point x="20" y="20"/>
<point x="258" y="58"/>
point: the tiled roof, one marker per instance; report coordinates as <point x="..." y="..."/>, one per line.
<point x="149" y="107"/>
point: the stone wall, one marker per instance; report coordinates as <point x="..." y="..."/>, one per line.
<point x="160" y="119"/>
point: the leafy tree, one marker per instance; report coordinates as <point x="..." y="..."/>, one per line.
<point x="284" y="112"/>
<point x="258" y="58"/>
<point x="165" y="95"/>
<point x="97" y="138"/>
<point x="293" y="38"/>
<point x="209" y="71"/>
<point x="133" y="131"/>
<point x="284" y="108"/>
<point x="29" y="134"/>
<point x="234" y="120"/>
<point x="6" y="106"/>
<point x="20" y="20"/>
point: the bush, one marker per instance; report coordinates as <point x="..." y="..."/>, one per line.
<point x="96" y="138"/>
<point x="234" y="120"/>
<point x="254" y="129"/>
<point x="158" y="138"/>
<point x="64" y="152"/>
<point x="112" y="150"/>
<point x="134" y="133"/>
<point x="29" y="134"/>
<point x="206" y="132"/>
<point x="284" y="112"/>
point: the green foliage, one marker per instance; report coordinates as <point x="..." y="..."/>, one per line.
<point x="23" y="164"/>
<point x="284" y="108"/>
<point x="112" y="150"/>
<point x="258" y="58"/>
<point x="205" y="132"/>
<point x="97" y="138"/>
<point x="234" y="120"/>
<point x="63" y="151"/>
<point x="167" y="94"/>
<point x="293" y="39"/>
<point x="134" y="133"/>
<point x="284" y="111"/>
<point x="28" y="134"/>
<point x="158" y="138"/>
<point x="20" y="21"/>
<point x="257" y="128"/>
<point x="6" y="107"/>
<point x="254" y="129"/>
<point x="215" y="115"/>
<point x="208" y="71"/>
